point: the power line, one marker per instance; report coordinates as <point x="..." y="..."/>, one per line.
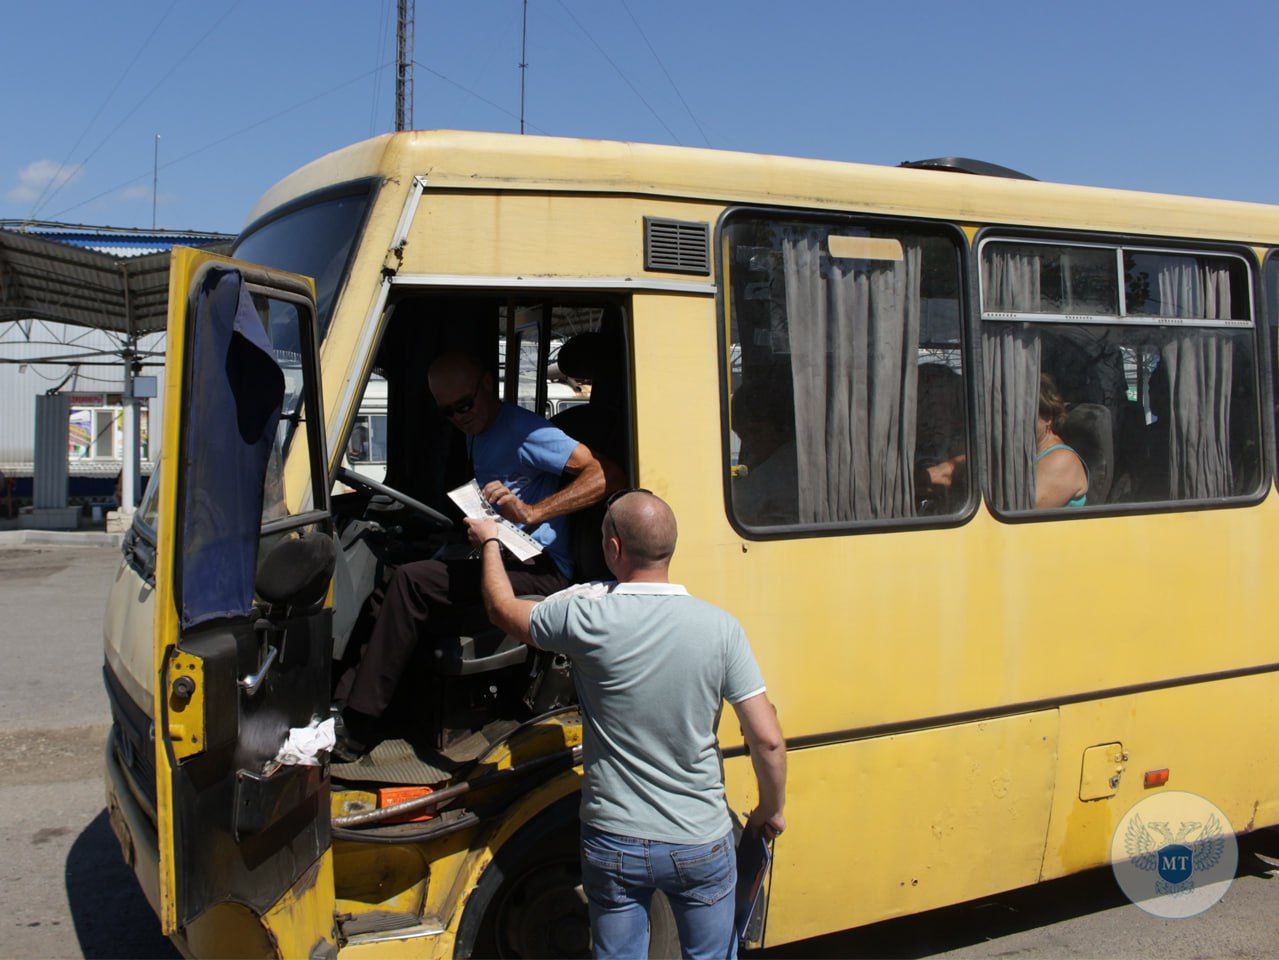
<point x="89" y="126"/>
<point x="687" y="108"/>
<point x="181" y="61"/>
<point x="618" y="70"/>
<point x="224" y="139"/>
<point x="477" y="96"/>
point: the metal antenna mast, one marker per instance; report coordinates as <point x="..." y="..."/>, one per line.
<point x="523" y="62"/>
<point x="404" y="47"/>
<point x="155" y="178"/>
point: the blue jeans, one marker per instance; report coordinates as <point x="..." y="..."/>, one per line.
<point x="619" y="875"/>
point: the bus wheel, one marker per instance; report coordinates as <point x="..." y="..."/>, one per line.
<point x="530" y="904"/>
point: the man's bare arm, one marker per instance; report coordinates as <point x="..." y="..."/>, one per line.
<point x="763" y="734"/>
<point x="505" y="610"/>
<point x="594" y="476"/>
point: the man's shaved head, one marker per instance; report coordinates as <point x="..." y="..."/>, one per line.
<point x="454" y="371"/>
<point x="645" y="526"/>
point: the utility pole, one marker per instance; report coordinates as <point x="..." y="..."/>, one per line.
<point x="155" y="178"/>
<point x="404" y="47"/>
<point x="523" y="62"/>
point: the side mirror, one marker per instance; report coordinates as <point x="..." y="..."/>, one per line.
<point x="296" y="570"/>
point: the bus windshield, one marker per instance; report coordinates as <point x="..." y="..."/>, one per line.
<point x="315" y="240"/>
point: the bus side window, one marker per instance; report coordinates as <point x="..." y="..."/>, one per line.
<point x="847" y="400"/>
<point x="1149" y="397"/>
<point x="1271" y="280"/>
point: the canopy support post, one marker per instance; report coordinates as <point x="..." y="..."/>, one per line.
<point x="132" y="453"/>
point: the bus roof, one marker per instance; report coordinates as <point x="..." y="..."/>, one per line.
<point x="498" y="161"/>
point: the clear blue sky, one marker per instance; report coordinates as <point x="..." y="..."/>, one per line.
<point x="1174" y="96"/>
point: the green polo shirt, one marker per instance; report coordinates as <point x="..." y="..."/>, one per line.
<point x="653" y="667"/>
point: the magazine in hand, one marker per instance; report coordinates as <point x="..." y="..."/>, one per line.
<point x="753" y="857"/>
<point x="470" y="500"/>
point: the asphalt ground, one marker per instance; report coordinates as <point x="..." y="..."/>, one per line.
<point x="66" y="892"/>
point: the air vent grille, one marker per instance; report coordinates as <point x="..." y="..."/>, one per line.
<point x="677" y="246"/>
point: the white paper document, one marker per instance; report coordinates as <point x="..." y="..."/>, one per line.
<point x="471" y="502"/>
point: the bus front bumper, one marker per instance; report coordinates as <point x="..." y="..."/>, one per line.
<point x="132" y="827"/>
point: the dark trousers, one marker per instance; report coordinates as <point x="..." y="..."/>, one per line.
<point x="430" y="598"/>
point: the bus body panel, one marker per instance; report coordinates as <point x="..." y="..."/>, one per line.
<point x="901" y="824"/>
<point x="127" y="630"/>
<point x="1194" y="732"/>
<point x="495" y="162"/>
<point x="543" y="235"/>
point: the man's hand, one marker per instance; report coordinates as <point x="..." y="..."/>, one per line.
<point x="509" y="505"/>
<point x="767" y="746"/>
<point x="505" y="611"/>
<point x="477" y="531"/>
<point x="768" y="825"/>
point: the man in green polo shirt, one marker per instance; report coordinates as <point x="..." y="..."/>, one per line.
<point x="652" y="666"/>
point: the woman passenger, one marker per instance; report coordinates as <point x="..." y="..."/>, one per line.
<point x="1061" y="479"/>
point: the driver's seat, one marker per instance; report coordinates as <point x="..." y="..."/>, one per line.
<point x="482" y="651"/>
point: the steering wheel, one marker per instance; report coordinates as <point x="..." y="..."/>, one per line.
<point x="360" y="482"/>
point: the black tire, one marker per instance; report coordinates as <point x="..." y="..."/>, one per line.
<point x="528" y="905"/>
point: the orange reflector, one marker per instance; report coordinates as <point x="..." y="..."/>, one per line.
<point x="1156" y="778"/>
<point x="390" y="796"/>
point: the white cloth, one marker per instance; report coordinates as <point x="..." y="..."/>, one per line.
<point x="303" y="744"/>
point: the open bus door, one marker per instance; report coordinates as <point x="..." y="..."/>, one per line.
<point x="243" y="623"/>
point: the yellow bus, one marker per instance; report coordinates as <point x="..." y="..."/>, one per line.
<point x="835" y="373"/>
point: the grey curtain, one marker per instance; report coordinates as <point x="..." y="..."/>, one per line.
<point x="1200" y="373"/>
<point x="1010" y="360"/>
<point x="853" y="329"/>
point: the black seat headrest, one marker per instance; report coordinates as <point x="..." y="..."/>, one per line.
<point x="582" y="357"/>
<point x="1089" y="431"/>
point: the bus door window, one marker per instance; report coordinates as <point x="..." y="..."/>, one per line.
<point x="357" y="448"/>
<point x="846" y="387"/>
<point x="365" y="451"/>
<point x="521" y="355"/>
<point x="283" y="322"/>
<point x="1151" y="386"/>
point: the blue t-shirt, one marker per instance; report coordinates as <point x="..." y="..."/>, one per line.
<point x="528" y="454"/>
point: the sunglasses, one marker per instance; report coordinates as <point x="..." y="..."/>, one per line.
<point x="621" y="493"/>
<point x="461" y="407"/>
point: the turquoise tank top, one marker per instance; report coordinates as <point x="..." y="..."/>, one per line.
<point x="1077" y="501"/>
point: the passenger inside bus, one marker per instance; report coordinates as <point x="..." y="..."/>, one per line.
<point x="422" y="662"/>
<point x="1160" y="396"/>
<point x="1061" y="479"/>
<point x="764" y="484"/>
<point x="941" y="455"/>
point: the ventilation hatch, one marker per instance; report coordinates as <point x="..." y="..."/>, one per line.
<point x="967" y="165"/>
<point x="677" y="246"/>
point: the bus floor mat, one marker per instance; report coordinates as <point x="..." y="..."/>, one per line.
<point x="394" y="761"/>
